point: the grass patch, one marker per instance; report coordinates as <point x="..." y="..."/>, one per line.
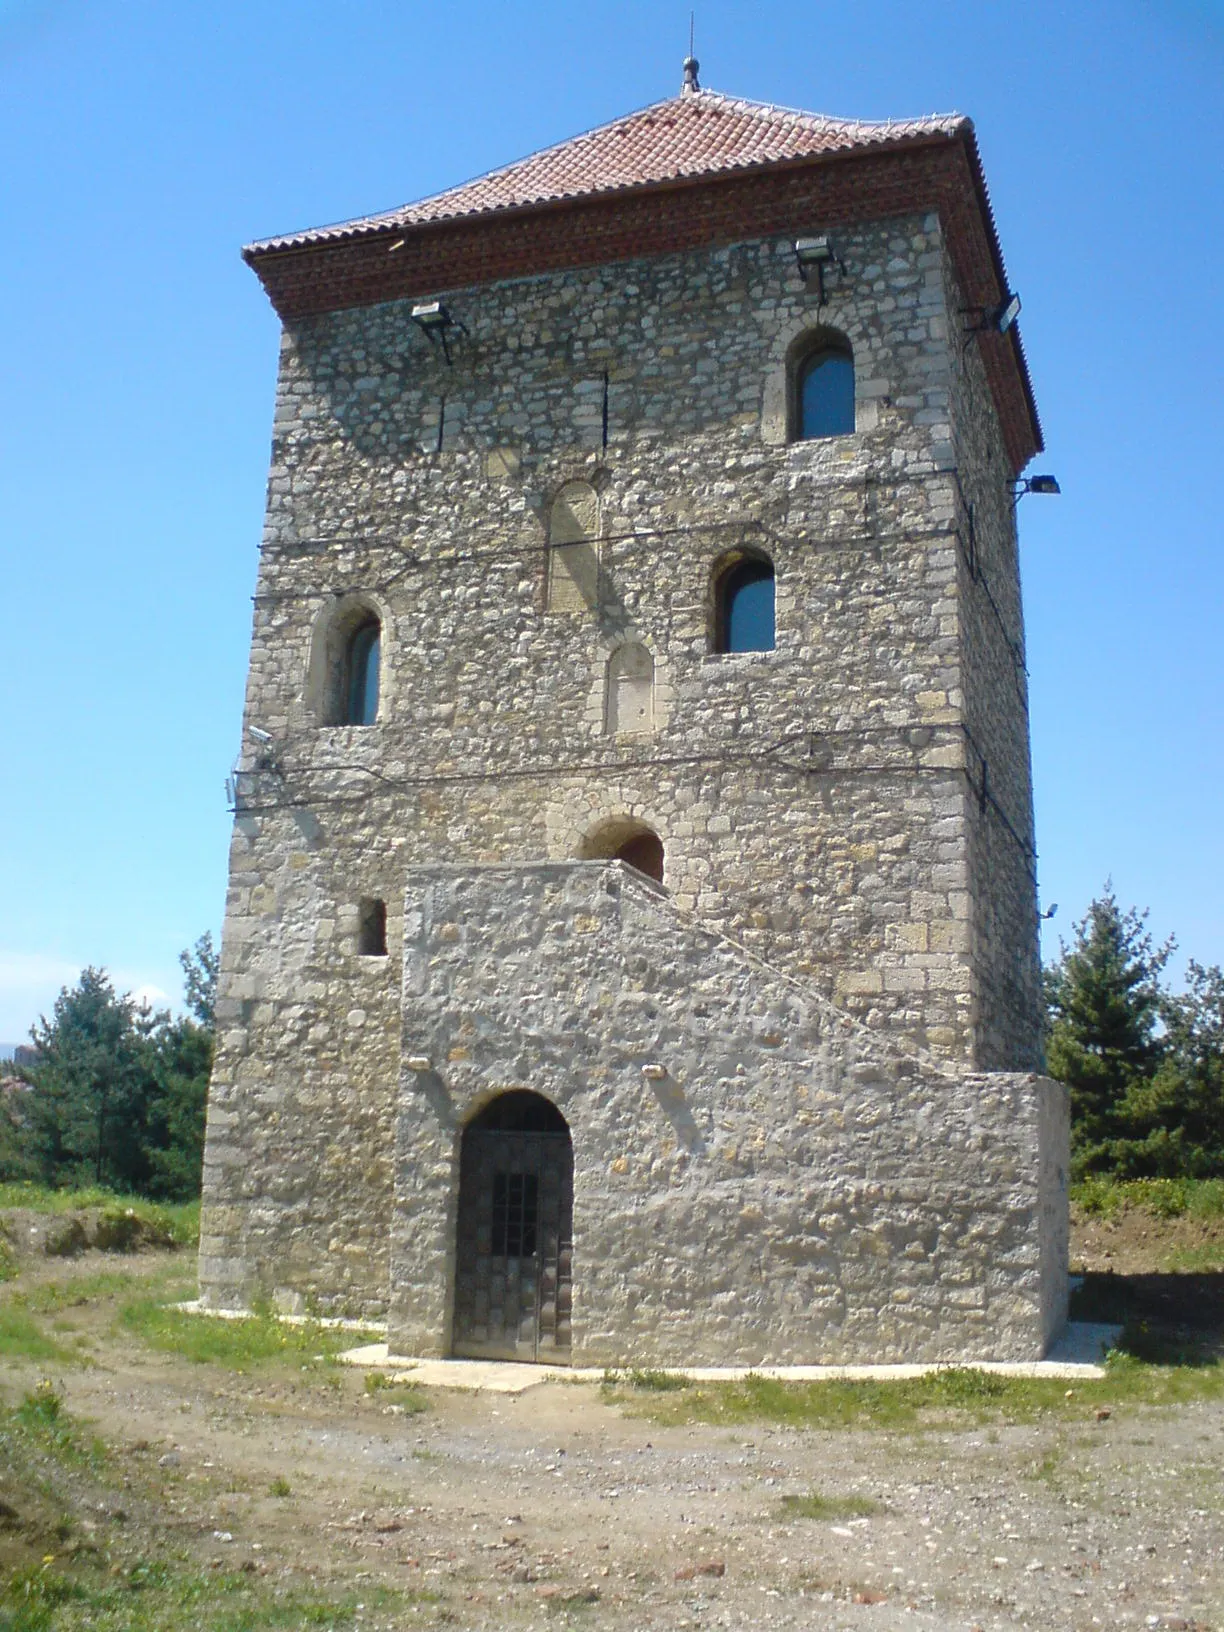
<point x="403" y="1398"/>
<point x="655" y="1382"/>
<point x="178" y="1222"/>
<point x="1205" y="1259"/>
<point x="815" y="1506"/>
<point x="954" y="1395"/>
<point x="1099" y="1197"/>
<point x="134" y="1583"/>
<point x="169" y="1596"/>
<point x="22" y="1338"/>
<point x="567" y="1603"/>
<point x="41" y="1422"/>
<point x="75" y="1291"/>
<point x="255" y="1340"/>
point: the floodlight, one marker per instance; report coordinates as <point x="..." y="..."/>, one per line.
<point x="811" y="251"/>
<point x="431" y="314"/>
<point x="1034" y="484"/>
<point x="1005" y="314"/>
<point x="816" y="253"/>
<point x="435" y="322"/>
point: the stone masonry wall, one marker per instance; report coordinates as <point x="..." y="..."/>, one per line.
<point x="816" y="803"/>
<point x="1005" y="957"/>
<point x="789" y="1191"/>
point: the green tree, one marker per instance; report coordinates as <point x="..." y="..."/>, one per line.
<point x="200" y="969"/>
<point x="117" y="1094"/>
<point x="1104" y="1007"/>
<point x="182" y="1053"/>
<point x="16" y="1163"/>
<point x="89" y="1089"/>
<point x="1172" y="1123"/>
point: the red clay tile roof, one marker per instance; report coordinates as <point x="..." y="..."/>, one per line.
<point x="698" y="134"/>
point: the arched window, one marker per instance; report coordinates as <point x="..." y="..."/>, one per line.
<point x="624" y="838"/>
<point x="344" y="682"/>
<point x="372" y="927"/>
<point x="744" y="606"/>
<point x="360" y="700"/>
<point x="645" y="852"/>
<point x="824" y="391"/>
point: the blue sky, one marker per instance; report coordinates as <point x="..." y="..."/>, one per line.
<point x="145" y="142"/>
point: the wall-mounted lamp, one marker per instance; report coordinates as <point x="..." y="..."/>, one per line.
<point x="1004" y="314"/>
<point x="815" y="254"/>
<point x="435" y="322"/>
<point x="995" y="319"/>
<point x="265" y="755"/>
<point x="1034" y="484"/>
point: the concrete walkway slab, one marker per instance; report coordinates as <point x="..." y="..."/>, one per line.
<point x="1077" y="1354"/>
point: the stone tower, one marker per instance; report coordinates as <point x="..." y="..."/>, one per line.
<point x="631" y="949"/>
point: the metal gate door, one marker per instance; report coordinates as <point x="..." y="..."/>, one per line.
<point x="514" y="1247"/>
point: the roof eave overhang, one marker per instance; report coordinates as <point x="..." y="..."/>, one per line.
<point x="938" y="170"/>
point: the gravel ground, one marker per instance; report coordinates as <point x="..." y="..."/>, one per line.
<point x="565" y="1507"/>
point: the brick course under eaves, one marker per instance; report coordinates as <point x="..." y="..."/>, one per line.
<point x="582" y="203"/>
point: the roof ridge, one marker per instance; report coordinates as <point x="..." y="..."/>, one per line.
<point x="595" y="161"/>
<point x="844" y="120"/>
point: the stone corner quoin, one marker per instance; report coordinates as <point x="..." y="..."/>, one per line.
<point x="630" y="952"/>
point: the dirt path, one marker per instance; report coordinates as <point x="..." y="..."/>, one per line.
<point x="558" y="1507"/>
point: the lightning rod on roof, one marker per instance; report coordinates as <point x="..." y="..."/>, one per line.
<point x="691" y="65"/>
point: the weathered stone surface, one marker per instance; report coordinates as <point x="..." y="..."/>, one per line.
<point x="539" y="525"/>
<point x="792" y="1189"/>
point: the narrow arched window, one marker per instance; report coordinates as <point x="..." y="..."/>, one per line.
<point x="361" y="674"/>
<point x="825" y="392"/>
<point x="745" y="607"/>
<point x="372" y="927"/>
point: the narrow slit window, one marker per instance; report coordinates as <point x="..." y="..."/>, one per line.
<point x="372" y="928"/>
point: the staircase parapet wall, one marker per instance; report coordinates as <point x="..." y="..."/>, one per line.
<point x="758" y="1178"/>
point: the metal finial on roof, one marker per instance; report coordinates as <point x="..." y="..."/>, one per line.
<point x="691" y="65"/>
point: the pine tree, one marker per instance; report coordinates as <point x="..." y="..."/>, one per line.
<point x="89" y="1090"/>
<point x="1104" y="1004"/>
<point x="182" y="1063"/>
<point x="117" y="1094"/>
<point x="1172" y="1124"/>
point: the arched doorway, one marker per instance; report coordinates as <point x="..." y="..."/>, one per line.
<point x="626" y="839"/>
<point x="514" y="1237"/>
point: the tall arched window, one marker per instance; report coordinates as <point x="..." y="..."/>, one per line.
<point x="744" y="606"/>
<point x="361" y="674"/>
<point x="824" y="391"/>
